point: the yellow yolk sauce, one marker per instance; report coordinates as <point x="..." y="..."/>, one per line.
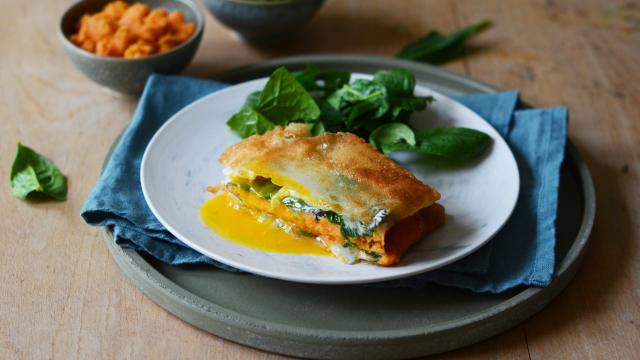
<point x="224" y="215"/>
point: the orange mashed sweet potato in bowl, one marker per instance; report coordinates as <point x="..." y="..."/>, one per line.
<point x="131" y="31"/>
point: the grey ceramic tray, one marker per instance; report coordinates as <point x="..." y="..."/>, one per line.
<point x="355" y="321"/>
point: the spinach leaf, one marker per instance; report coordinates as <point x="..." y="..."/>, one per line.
<point x="333" y="80"/>
<point x="283" y="100"/>
<point x="313" y="79"/>
<point x="299" y="205"/>
<point x="354" y="229"/>
<point x="332" y="118"/>
<point x="360" y="98"/>
<point x="386" y="137"/>
<point x="333" y="217"/>
<point x="402" y="107"/>
<point x="363" y="90"/>
<point x="249" y="121"/>
<point x="436" y="48"/>
<point x="33" y="174"/>
<point x="253" y="99"/>
<point x="400" y="84"/>
<point x="348" y="229"/>
<point x="348" y="232"/>
<point x="356" y="114"/>
<point x="460" y="144"/>
<point x="376" y="109"/>
<point x="307" y="77"/>
<point x="316" y="128"/>
<point x="373" y="255"/>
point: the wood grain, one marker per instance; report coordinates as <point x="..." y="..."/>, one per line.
<point x="62" y="296"/>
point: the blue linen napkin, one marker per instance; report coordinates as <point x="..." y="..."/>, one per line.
<point x="522" y="253"/>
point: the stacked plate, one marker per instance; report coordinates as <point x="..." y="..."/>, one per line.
<point x="327" y="321"/>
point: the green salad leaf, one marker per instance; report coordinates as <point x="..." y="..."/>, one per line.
<point x="376" y="109"/>
<point x="362" y="97"/>
<point x="314" y="80"/>
<point x="283" y="100"/>
<point x="387" y="137"/>
<point x="400" y="84"/>
<point x="316" y="128"/>
<point x="437" y="48"/>
<point x="253" y="99"/>
<point x="33" y="174"/>
<point x="249" y="121"/>
<point x="459" y="144"/>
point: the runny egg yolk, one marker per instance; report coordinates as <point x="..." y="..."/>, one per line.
<point x="227" y="218"/>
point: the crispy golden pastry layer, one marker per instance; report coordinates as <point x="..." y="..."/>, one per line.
<point x="333" y="171"/>
<point x="335" y="188"/>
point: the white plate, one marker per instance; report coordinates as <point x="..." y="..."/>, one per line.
<point x="181" y="160"/>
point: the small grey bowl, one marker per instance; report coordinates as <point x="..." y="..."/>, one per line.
<point x="130" y="75"/>
<point x="257" y="20"/>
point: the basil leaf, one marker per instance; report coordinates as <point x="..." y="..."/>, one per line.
<point x="460" y="144"/>
<point x="249" y="121"/>
<point x="436" y="48"/>
<point x="32" y="174"/>
<point x="384" y="137"/>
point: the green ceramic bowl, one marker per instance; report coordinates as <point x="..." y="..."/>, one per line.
<point x="260" y="20"/>
<point x="130" y="75"/>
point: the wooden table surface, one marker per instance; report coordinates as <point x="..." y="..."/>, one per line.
<point x="62" y="295"/>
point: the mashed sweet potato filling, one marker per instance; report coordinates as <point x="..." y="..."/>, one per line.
<point x="382" y="247"/>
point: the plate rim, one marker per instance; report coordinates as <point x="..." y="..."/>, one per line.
<point x="137" y="268"/>
<point x="175" y="119"/>
<point x="211" y="317"/>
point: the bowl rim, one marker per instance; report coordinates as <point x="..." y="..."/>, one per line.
<point x="117" y="59"/>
